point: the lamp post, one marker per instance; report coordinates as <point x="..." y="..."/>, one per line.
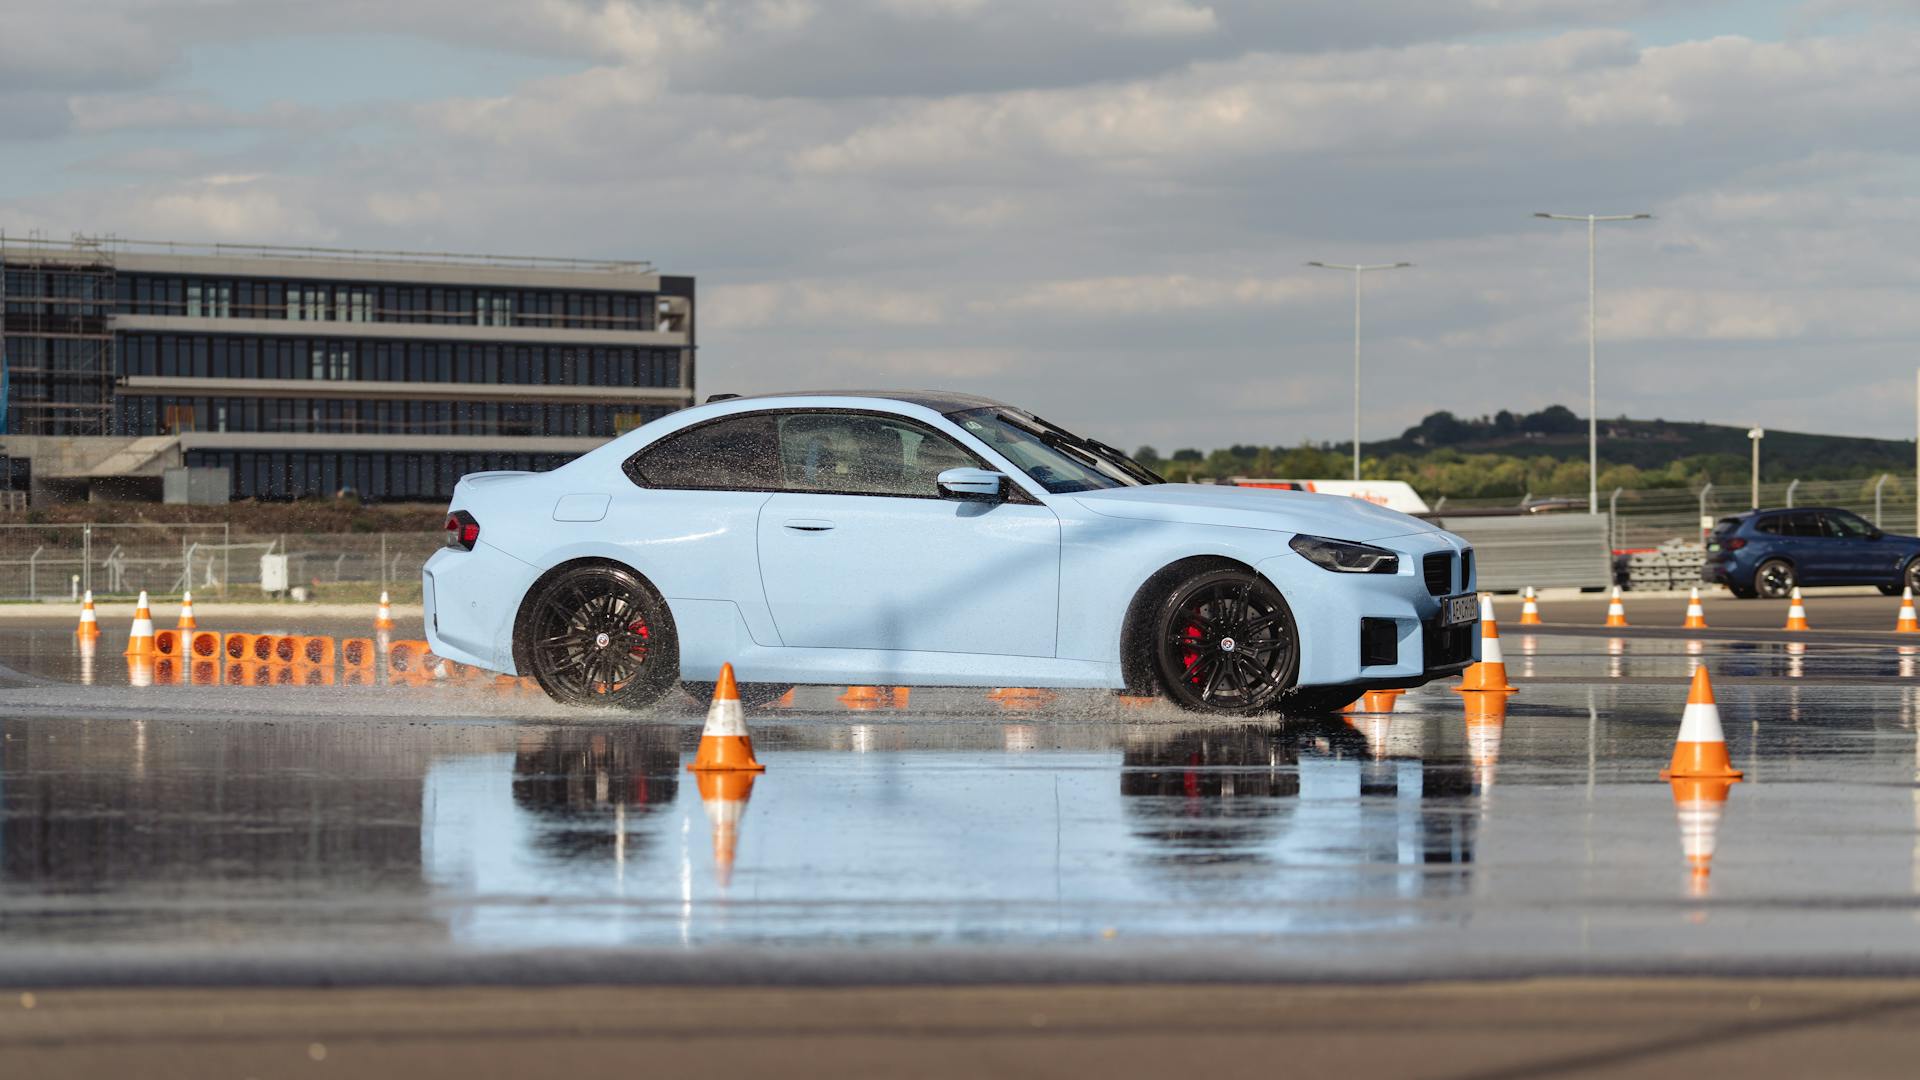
<point x="1593" y="414"/>
<point x="1756" y="434"/>
<point x="1358" y="269"/>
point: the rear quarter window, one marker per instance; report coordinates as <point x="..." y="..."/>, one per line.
<point x="737" y="453"/>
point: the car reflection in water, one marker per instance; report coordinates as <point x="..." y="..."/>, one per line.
<point x="582" y="787"/>
<point x="1224" y="809"/>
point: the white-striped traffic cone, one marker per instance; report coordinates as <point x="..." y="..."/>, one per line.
<point x="89" y="628"/>
<point x="140" y="640"/>
<point x="1696" y="615"/>
<point x="724" y="745"/>
<point x="186" y="613"/>
<point x="1489" y="676"/>
<point x="1529" y="610"/>
<point x="1796" y="612"/>
<point x="383" y="615"/>
<point x="1701" y="751"/>
<point x="1907" y="623"/>
<point x="1616" y="611"/>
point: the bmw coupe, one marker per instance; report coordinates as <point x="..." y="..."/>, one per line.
<point x="933" y="539"/>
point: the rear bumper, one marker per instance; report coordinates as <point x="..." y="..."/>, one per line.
<point x="470" y="599"/>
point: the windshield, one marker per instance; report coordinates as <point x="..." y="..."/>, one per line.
<point x="1054" y="457"/>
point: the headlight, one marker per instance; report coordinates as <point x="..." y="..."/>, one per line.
<point x="1346" y="557"/>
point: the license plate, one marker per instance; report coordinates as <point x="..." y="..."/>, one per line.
<point x="1459" y="610"/>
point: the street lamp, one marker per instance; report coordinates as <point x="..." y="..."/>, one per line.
<point x="1358" y="269"/>
<point x="1756" y="434"/>
<point x="1593" y="414"/>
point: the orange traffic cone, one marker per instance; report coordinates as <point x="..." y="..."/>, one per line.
<point x="1796" y="612"/>
<point x="1529" y="610"/>
<point x="725" y="795"/>
<point x="89" y="628"/>
<point x="1696" y="615"/>
<point x="1616" y="611"/>
<point x="140" y="641"/>
<point x="1490" y="674"/>
<point x="1698" y="804"/>
<point x="1701" y="751"/>
<point x="186" y="613"/>
<point x="383" y="615"/>
<point x="1907" y="623"/>
<point x="1374" y="701"/>
<point x="724" y="745"/>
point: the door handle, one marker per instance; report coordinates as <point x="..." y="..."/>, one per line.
<point x="809" y="525"/>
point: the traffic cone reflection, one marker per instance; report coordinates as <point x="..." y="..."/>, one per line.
<point x="862" y="698"/>
<point x="1907" y="623"/>
<point x="140" y="669"/>
<point x="1616" y="611"/>
<point x="89" y="628"/>
<point x="1796" y="612"/>
<point x="1489" y="676"/>
<point x="186" y="613"/>
<point x="140" y="640"/>
<point x="1529" y="610"/>
<point x="1696" y="615"/>
<point x="1374" y="701"/>
<point x="725" y="795"/>
<point x="724" y="744"/>
<point x="383" y="615"/>
<point x="1486" y="721"/>
<point x="1699" y="804"/>
<point x="89" y="647"/>
<point x="1700" y="753"/>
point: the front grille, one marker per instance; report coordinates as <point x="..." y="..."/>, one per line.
<point x="1466" y="570"/>
<point x="1379" y="642"/>
<point x="1450" y="644"/>
<point x="1438" y="569"/>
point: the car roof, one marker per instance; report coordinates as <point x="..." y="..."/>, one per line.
<point x="942" y="401"/>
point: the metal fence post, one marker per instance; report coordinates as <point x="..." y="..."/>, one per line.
<point x="226" y="557"/>
<point x="383" y="560"/>
<point x="1877" y="485"/>
<point x="86" y="557"/>
<point x="1791" y="488"/>
<point x="1613" y="519"/>
<point x="1704" y="492"/>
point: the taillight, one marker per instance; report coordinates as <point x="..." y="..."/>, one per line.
<point x="1732" y="543"/>
<point x="462" y="531"/>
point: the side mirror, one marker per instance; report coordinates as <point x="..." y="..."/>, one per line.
<point x="972" y="485"/>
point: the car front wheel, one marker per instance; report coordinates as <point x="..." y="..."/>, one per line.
<point x="1224" y="641"/>
<point x="1774" y="580"/>
<point x="596" y="634"/>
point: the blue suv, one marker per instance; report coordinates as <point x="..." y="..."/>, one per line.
<point x="1768" y="552"/>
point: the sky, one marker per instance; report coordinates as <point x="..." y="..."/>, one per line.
<point x="1099" y="209"/>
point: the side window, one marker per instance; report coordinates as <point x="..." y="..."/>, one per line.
<point x="1848" y="526"/>
<point x="735" y="454"/>
<point x="1805" y="526"/>
<point x="863" y="454"/>
<point x="1769" y="526"/>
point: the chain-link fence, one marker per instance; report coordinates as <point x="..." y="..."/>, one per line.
<point x="58" y="562"/>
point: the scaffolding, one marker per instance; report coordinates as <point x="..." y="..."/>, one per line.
<point x="55" y="304"/>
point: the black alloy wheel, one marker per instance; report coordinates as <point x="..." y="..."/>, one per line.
<point x="1910" y="579"/>
<point x="1774" y="580"/>
<point x="1224" y="641"/>
<point x="598" y="635"/>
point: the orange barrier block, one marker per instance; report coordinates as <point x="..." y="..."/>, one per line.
<point x="203" y="645"/>
<point x="260" y="648"/>
<point x="316" y="650"/>
<point x="237" y="646"/>
<point x="286" y="649"/>
<point x="167" y="643"/>
<point x="358" y="652"/>
<point x="407" y="657"/>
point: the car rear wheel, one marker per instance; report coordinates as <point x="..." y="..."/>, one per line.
<point x="596" y="634"/>
<point x="1774" y="580"/>
<point x="1224" y="641"/>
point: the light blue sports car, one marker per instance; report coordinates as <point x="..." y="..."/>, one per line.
<point x="933" y="539"/>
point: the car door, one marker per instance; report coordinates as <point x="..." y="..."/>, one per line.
<point x="1858" y="556"/>
<point x="859" y="551"/>
<point x="1815" y="550"/>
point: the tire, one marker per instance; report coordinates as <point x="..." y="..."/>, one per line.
<point x="1774" y="579"/>
<point x="1909" y="579"/>
<point x="1223" y="641"/>
<point x="597" y="634"/>
<point x="753" y="695"/>
<point x="1888" y="590"/>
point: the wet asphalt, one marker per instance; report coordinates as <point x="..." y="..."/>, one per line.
<point x="459" y="832"/>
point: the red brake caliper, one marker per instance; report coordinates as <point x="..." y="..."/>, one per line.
<point x="1191" y="633"/>
<point x="638" y="627"/>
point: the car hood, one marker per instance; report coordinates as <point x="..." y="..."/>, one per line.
<point x="1339" y="517"/>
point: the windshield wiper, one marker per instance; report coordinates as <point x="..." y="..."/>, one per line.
<point x="1113" y="456"/>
